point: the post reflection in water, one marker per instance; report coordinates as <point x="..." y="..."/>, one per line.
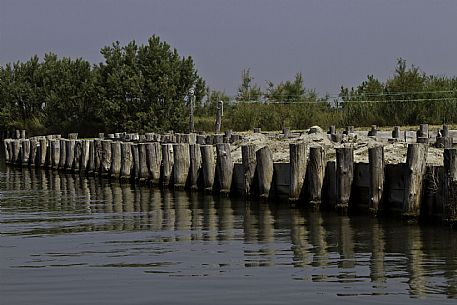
<point x="316" y="247"/>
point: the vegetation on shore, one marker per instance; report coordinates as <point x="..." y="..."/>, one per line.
<point x="146" y="88"/>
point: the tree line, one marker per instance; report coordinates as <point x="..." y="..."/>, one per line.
<point x="146" y="87"/>
<point x="136" y="88"/>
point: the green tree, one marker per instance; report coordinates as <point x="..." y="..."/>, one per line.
<point x="248" y="91"/>
<point x="145" y="87"/>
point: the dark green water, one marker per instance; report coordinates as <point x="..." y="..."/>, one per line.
<point x="71" y="240"/>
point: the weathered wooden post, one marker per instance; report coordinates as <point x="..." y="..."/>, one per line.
<point x="73" y="136"/>
<point x="69" y="154"/>
<point x="330" y="184"/>
<point x="106" y="158"/>
<point x="396" y="132"/>
<point x="126" y="160"/>
<point x="208" y="166"/>
<point x="316" y="172"/>
<point x="153" y="160"/>
<point x="422" y="134"/>
<point x="331" y="130"/>
<point x="33" y="152"/>
<point x="224" y="167"/>
<point x="78" y="154"/>
<point x="227" y="136"/>
<point x="298" y="164"/>
<point x="98" y="153"/>
<point x="6" y="144"/>
<point x="374" y="131"/>
<point x="348" y="130"/>
<point x="249" y="165"/>
<point x="450" y="185"/>
<point x="443" y="140"/>
<point x="116" y="156"/>
<point x="55" y="153"/>
<point x="25" y="152"/>
<point x="344" y="175"/>
<point x="135" y="173"/>
<point x="91" y="163"/>
<point x="264" y="159"/>
<point x="376" y="172"/>
<point x="18" y="134"/>
<point x="181" y="165"/>
<point x="143" y="171"/>
<point x="416" y="160"/>
<point x="63" y="154"/>
<point x="167" y="164"/>
<point x="85" y="151"/>
<point x="219" y="115"/>
<point x="201" y="139"/>
<point x="23" y="134"/>
<point x="16" y="151"/>
<point x="195" y="166"/>
<point x="42" y="152"/>
<point x="285" y="132"/>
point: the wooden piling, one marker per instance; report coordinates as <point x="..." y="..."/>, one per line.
<point x="42" y="152"/>
<point x="249" y="165"/>
<point x="153" y="160"/>
<point x="115" y="169"/>
<point x="98" y="153"/>
<point x="344" y="175"/>
<point x="78" y="155"/>
<point x="63" y="153"/>
<point x="91" y="163"/>
<point x="135" y="173"/>
<point x="126" y="160"/>
<point x="450" y="185"/>
<point x="422" y="134"/>
<point x="264" y="160"/>
<point x="416" y="164"/>
<point x="208" y="166"/>
<point x="85" y="151"/>
<point x="330" y="195"/>
<point x="181" y="165"/>
<point x="25" y="152"/>
<point x="6" y="145"/>
<point x="224" y="167"/>
<point x="376" y="172"/>
<point x="69" y="154"/>
<point x="16" y="151"/>
<point x="143" y="171"/>
<point x="33" y="152"/>
<point x="195" y="166"/>
<point x="167" y="164"/>
<point x="374" y="131"/>
<point x="105" y="161"/>
<point x="55" y="153"/>
<point x="316" y="172"/>
<point x="396" y="132"/>
<point x="298" y="164"/>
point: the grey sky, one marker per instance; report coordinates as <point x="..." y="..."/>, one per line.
<point x="332" y="43"/>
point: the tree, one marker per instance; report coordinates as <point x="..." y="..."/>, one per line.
<point x="144" y="87"/>
<point x="248" y="91"/>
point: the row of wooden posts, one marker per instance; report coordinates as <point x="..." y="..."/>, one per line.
<point x="308" y="178"/>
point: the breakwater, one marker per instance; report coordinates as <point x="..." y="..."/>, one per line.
<point x="312" y="176"/>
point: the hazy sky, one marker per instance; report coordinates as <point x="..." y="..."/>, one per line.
<point x="332" y="43"/>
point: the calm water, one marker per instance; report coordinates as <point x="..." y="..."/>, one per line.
<point x="71" y="240"/>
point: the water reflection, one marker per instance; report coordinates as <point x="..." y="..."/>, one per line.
<point x="322" y="248"/>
